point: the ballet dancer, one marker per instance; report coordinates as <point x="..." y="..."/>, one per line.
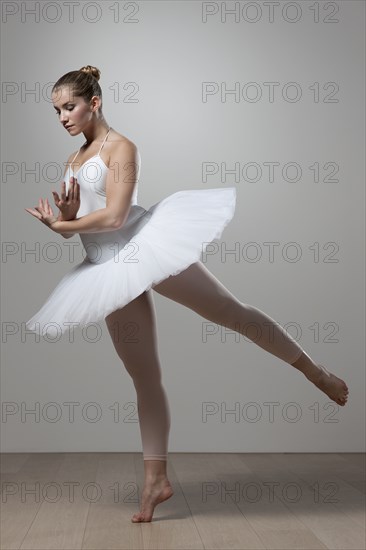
<point x="168" y="239"/>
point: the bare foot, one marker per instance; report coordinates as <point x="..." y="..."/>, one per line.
<point x="335" y="388"/>
<point x="154" y="492"/>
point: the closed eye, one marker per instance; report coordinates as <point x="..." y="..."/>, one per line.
<point x="58" y="112"/>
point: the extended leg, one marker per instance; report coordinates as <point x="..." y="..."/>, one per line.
<point x="198" y="289"/>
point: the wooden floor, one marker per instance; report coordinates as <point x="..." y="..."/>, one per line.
<point x="225" y="500"/>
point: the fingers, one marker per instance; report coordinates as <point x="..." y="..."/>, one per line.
<point x="43" y="214"/>
<point x="73" y="192"/>
<point x="63" y="191"/>
<point x="41" y="208"/>
<point x="72" y="196"/>
<point x="44" y="208"/>
<point x="73" y="188"/>
<point x="56" y="198"/>
<point x="33" y="212"/>
<point x="49" y="210"/>
<point x="43" y="205"/>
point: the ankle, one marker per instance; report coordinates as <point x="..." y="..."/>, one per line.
<point x="306" y="365"/>
<point x="155" y="469"/>
<point x="155" y="476"/>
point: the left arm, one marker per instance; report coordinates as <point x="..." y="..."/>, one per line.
<point x="96" y="222"/>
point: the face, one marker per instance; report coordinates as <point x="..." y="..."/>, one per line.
<point x="72" y="111"/>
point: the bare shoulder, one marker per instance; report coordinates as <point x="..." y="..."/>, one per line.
<point x="125" y="155"/>
<point x="123" y="145"/>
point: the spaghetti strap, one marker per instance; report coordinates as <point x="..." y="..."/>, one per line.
<point x="75" y="157"/>
<point x="72" y="162"/>
<point x="101" y="147"/>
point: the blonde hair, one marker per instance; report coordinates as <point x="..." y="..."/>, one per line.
<point x="89" y="69"/>
<point x="83" y="83"/>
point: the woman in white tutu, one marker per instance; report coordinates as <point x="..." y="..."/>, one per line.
<point x="131" y="251"/>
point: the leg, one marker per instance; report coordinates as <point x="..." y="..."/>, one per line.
<point x="138" y="350"/>
<point x="198" y="289"/>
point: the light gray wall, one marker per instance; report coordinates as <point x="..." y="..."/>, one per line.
<point x="168" y="52"/>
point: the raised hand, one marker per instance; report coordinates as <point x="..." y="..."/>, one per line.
<point x="68" y="204"/>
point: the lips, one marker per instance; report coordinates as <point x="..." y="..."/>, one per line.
<point x="67" y="127"/>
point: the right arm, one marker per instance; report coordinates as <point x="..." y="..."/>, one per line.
<point x="119" y="191"/>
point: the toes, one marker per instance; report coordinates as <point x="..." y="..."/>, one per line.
<point x="148" y="515"/>
<point x="141" y="517"/>
<point x="137" y="517"/>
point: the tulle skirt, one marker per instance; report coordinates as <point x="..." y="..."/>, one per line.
<point x="119" y="265"/>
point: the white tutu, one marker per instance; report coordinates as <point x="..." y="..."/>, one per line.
<point x="120" y="265"/>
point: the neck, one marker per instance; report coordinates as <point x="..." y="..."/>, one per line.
<point x="96" y="134"/>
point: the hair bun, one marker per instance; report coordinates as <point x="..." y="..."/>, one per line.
<point x="89" y="69"/>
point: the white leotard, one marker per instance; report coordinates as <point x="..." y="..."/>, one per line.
<point x="92" y="176"/>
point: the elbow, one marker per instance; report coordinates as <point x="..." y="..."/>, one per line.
<point x="116" y="223"/>
<point x="117" y="219"/>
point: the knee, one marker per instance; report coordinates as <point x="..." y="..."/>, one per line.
<point x="145" y="373"/>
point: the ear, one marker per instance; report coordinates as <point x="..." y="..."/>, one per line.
<point x="95" y="103"/>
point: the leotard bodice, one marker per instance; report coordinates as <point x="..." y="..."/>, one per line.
<point x="92" y="176"/>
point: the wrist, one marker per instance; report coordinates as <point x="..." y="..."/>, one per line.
<point x="62" y="218"/>
<point x="58" y="226"/>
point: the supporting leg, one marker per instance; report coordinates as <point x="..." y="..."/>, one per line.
<point x="133" y="332"/>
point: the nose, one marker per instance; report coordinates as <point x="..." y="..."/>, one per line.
<point x="63" y="120"/>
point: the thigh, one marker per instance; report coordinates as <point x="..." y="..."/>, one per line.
<point x="198" y="289"/>
<point x="133" y="332"/>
